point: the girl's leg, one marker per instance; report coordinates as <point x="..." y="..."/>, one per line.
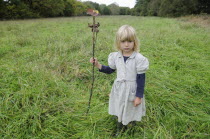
<point x="120" y="128"/>
<point x="132" y="128"/>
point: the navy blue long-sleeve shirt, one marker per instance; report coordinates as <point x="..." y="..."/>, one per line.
<point x="140" y="79"/>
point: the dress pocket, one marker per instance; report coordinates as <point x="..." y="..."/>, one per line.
<point x="132" y="93"/>
<point x="132" y="96"/>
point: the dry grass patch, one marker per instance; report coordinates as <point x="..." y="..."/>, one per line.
<point x="200" y="20"/>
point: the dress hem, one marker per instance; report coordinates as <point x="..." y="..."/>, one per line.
<point x="126" y="123"/>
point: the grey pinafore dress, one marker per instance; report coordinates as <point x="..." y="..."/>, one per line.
<point x="124" y="88"/>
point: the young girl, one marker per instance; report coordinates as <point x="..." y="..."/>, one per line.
<point x="126" y="100"/>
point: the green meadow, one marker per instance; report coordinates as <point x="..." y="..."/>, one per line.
<point x="45" y="78"/>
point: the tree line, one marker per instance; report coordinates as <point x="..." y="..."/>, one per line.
<point x="171" y="8"/>
<point x="21" y="9"/>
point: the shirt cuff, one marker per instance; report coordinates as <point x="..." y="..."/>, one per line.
<point x="106" y="69"/>
<point x="102" y="68"/>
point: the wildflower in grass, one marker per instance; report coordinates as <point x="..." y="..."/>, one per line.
<point x="92" y="12"/>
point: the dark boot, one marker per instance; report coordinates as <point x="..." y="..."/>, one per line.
<point x="120" y="129"/>
<point x="132" y="128"/>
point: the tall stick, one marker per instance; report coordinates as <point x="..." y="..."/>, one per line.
<point x="95" y="30"/>
<point x="93" y="77"/>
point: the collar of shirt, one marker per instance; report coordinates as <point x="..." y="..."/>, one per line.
<point x="132" y="55"/>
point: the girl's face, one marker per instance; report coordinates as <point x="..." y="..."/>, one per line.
<point x="127" y="47"/>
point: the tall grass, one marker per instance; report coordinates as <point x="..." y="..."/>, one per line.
<point x="45" y="78"/>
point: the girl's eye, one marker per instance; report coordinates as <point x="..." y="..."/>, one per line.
<point x="126" y="41"/>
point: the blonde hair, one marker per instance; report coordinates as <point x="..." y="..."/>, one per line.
<point x="126" y="33"/>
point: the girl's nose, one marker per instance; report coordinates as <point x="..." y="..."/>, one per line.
<point x="126" y="43"/>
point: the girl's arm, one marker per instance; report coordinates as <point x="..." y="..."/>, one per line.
<point x="140" y="80"/>
<point x="106" y="69"/>
<point x="96" y="63"/>
<point x="102" y="68"/>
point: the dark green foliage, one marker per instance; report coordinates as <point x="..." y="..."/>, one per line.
<point x="142" y="6"/>
<point x="69" y="9"/>
<point x="20" y="9"/>
<point x="125" y="11"/>
<point x="172" y="8"/>
<point x="106" y="11"/>
<point x="15" y="9"/>
<point x="115" y="9"/>
<point x="80" y="9"/>
<point x="203" y="6"/>
<point x="50" y="8"/>
<point x="153" y="7"/>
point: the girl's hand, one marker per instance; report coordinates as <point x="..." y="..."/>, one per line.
<point x="96" y="63"/>
<point x="137" y="101"/>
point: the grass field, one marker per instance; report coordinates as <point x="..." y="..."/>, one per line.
<point x="45" y="78"/>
